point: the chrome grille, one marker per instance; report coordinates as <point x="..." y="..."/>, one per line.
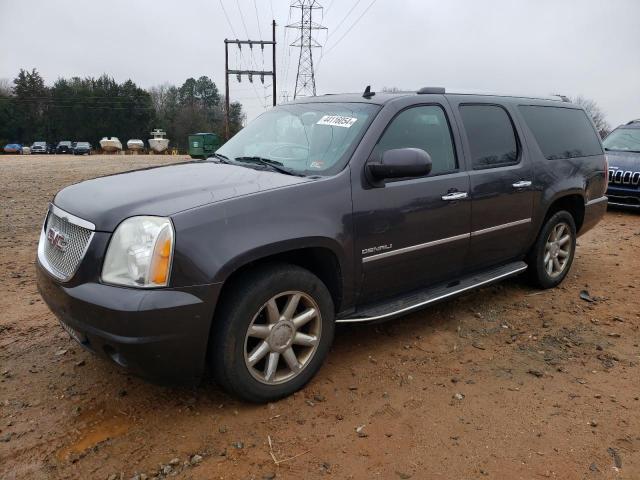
<point x="624" y="177"/>
<point x="63" y="244"/>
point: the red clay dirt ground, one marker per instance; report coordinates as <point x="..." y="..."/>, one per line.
<point x="507" y="382"/>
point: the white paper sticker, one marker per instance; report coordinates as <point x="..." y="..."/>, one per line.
<point x="337" y="121"/>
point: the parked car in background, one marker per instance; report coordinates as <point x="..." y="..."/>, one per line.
<point x="623" y="152"/>
<point x="64" y="147"/>
<point x="82" y="148"/>
<point x="13" y="148"/>
<point x="42" y="147"/>
<point x="330" y="209"/>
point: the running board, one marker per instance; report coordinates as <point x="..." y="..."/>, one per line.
<point x="417" y="300"/>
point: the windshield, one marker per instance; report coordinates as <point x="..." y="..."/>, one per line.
<point x="82" y="144"/>
<point x="39" y="144"/>
<point x="624" y="140"/>
<point x="64" y="143"/>
<point x="308" y="138"/>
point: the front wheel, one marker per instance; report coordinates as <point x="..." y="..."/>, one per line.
<point x="552" y="255"/>
<point x="271" y="333"/>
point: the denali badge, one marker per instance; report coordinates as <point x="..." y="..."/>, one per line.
<point x="56" y="239"/>
<point x="380" y="248"/>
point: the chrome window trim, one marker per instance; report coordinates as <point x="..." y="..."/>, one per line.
<point x="442" y="241"/>
<point x="58" y="212"/>
<point x="432" y="300"/>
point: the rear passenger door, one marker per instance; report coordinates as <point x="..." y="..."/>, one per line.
<point x="501" y="180"/>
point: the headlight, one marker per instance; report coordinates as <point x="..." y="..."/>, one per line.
<point x="140" y="253"/>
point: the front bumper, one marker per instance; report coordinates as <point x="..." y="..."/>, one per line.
<point x="624" y="196"/>
<point x="159" y="334"/>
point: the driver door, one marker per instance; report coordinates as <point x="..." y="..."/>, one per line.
<point x="414" y="232"/>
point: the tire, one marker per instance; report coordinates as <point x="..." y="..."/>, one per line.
<point x="242" y="360"/>
<point x="550" y="260"/>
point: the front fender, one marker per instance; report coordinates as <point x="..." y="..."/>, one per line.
<point x="215" y="240"/>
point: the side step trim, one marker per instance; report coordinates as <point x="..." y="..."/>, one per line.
<point x="455" y="291"/>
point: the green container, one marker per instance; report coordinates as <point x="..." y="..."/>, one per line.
<point x="202" y="145"/>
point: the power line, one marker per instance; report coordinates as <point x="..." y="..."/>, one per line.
<point x="326" y="12"/>
<point x="347" y="32"/>
<point x="224" y="10"/>
<point x="242" y="18"/>
<point x="344" y="18"/>
<point x="255" y="5"/>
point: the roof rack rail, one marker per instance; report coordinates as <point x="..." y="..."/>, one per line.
<point x="637" y="120"/>
<point x="427" y="90"/>
<point x="564" y="98"/>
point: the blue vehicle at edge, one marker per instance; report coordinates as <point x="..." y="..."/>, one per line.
<point x="622" y="146"/>
<point x="13" y="148"/>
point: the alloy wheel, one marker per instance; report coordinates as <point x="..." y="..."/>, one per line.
<point x="282" y="337"/>
<point x="557" y="251"/>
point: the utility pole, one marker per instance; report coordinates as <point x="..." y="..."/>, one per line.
<point x="305" y="78"/>
<point x="248" y="73"/>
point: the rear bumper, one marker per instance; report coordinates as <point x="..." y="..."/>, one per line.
<point x="594" y="210"/>
<point x="161" y="335"/>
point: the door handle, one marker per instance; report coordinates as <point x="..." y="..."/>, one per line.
<point x="522" y="184"/>
<point x="450" y="197"/>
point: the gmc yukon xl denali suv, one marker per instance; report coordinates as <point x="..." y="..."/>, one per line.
<point x="339" y="208"/>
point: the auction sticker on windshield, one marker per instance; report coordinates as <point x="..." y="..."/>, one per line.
<point x="337" y="121"/>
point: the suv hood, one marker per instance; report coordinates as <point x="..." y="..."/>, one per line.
<point x="624" y="160"/>
<point x="163" y="191"/>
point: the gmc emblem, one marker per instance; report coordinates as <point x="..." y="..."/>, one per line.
<point x="56" y="239"/>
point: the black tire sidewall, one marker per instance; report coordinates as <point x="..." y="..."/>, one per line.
<point x="538" y="271"/>
<point x="235" y="315"/>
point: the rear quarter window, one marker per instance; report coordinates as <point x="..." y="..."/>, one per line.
<point x="562" y="132"/>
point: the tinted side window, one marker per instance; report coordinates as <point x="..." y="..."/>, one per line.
<point x="562" y="132"/>
<point x="424" y="127"/>
<point x="491" y="136"/>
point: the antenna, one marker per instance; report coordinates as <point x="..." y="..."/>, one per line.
<point x="305" y="78"/>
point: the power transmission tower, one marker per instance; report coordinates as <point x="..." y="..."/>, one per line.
<point x="305" y="79"/>
<point x="248" y="73"/>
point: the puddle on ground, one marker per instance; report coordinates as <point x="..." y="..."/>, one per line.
<point x="94" y="427"/>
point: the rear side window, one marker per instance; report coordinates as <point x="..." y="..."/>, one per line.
<point x="562" y="132"/>
<point x="424" y="127"/>
<point x="491" y="136"/>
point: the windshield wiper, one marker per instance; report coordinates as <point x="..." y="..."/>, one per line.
<point x="272" y="164"/>
<point x="222" y="158"/>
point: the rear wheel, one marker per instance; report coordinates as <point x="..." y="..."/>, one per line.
<point x="552" y="255"/>
<point x="272" y="333"/>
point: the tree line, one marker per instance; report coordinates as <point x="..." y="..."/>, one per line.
<point x="87" y="109"/>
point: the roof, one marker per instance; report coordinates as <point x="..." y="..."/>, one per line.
<point x="381" y="98"/>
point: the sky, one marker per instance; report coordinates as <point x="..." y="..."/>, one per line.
<point x="541" y="47"/>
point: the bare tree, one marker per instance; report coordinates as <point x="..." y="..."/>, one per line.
<point x="596" y="113"/>
<point x="5" y="87"/>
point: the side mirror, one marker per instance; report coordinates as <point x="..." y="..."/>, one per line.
<point x="400" y="163"/>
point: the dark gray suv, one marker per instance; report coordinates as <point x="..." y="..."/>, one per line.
<point x="340" y="208"/>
